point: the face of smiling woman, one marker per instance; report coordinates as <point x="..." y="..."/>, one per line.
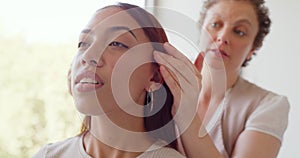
<point x="110" y="34"/>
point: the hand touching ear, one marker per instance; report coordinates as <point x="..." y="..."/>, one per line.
<point x="156" y="81"/>
<point x="184" y="81"/>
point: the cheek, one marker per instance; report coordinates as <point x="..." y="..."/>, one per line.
<point x="206" y="39"/>
<point x="138" y="79"/>
<point x="110" y="71"/>
<point x="240" y="52"/>
<point x="247" y="50"/>
<point x="73" y="70"/>
<point x="242" y="48"/>
<point x="138" y="83"/>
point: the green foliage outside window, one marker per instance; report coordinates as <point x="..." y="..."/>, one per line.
<point x="35" y="107"/>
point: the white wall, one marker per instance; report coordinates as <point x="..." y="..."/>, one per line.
<point x="276" y="65"/>
<point x="184" y="35"/>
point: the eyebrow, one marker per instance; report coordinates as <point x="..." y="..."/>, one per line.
<point x="113" y="29"/>
<point x="217" y="15"/>
<point x="117" y="28"/>
<point x="244" y="21"/>
<point x="86" y="31"/>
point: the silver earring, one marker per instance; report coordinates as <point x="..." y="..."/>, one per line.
<point x="151" y="101"/>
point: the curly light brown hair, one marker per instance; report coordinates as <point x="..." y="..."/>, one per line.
<point x="262" y="14"/>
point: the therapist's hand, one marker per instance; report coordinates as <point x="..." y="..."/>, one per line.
<point x="184" y="81"/>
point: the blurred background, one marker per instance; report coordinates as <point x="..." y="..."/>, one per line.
<point x="38" y="39"/>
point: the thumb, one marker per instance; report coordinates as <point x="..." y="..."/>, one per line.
<point x="199" y="61"/>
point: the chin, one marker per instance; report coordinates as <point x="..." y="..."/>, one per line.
<point x="89" y="111"/>
<point x="215" y="64"/>
<point x="88" y="105"/>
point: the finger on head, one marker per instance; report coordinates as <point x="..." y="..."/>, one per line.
<point x="171" y="80"/>
<point x="164" y="59"/>
<point x="171" y="50"/>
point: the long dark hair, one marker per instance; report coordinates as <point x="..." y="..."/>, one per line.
<point x="159" y="123"/>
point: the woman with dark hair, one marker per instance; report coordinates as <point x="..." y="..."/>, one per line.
<point x="117" y="85"/>
<point x="233" y="117"/>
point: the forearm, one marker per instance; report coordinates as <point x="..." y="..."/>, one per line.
<point x="195" y="146"/>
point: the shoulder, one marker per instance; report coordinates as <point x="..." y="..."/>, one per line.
<point x="270" y="112"/>
<point x="71" y="147"/>
<point x="163" y="152"/>
<point x="248" y="91"/>
<point x="266" y="98"/>
<point x="244" y="86"/>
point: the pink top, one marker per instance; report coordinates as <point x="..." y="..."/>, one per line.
<point x="248" y="107"/>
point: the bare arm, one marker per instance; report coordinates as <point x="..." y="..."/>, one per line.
<point x="184" y="81"/>
<point x="180" y="75"/>
<point x="248" y="145"/>
<point x="196" y="147"/>
<point x="256" y="144"/>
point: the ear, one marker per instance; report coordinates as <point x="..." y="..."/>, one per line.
<point x="252" y="51"/>
<point x="199" y="61"/>
<point x="155" y="82"/>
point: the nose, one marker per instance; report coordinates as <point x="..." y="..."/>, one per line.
<point x="223" y="37"/>
<point x="223" y="41"/>
<point x="91" y="60"/>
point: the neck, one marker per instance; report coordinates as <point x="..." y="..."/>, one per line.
<point x="121" y="135"/>
<point x="96" y="148"/>
<point x="215" y="83"/>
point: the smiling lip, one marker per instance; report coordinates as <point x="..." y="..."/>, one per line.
<point x="88" y="81"/>
<point x="219" y="52"/>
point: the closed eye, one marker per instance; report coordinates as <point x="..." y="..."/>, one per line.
<point x="118" y="44"/>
